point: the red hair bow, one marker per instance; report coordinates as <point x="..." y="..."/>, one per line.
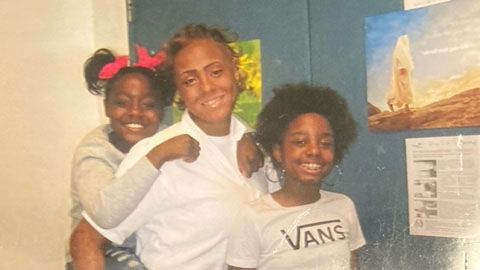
<point x="109" y="70"/>
<point x="144" y="60"/>
<point x="147" y="61"/>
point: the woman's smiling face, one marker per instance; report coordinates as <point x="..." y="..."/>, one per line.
<point x="204" y="74"/>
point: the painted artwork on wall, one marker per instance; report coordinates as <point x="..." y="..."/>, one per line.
<point x="423" y="67"/>
<point x="249" y="102"/>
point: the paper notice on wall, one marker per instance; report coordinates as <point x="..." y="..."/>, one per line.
<point x="443" y="175"/>
<point x="412" y="4"/>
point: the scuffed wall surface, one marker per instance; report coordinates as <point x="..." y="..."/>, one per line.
<point x="45" y="110"/>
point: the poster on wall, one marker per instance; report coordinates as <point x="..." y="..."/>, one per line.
<point x="423" y="67"/>
<point x="411" y="4"/>
<point x="249" y="102"/>
<point x="443" y="175"/>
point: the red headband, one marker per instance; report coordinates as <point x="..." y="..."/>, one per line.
<point x="144" y="60"/>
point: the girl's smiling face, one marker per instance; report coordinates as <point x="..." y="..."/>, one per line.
<point x="307" y="150"/>
<point x="133" y="110"/>
<point x="205" y="78"/>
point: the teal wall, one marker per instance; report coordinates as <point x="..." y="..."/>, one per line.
<point x="323" y="41"/>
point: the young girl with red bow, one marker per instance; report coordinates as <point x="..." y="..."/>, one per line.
<point x="134" y="99"/>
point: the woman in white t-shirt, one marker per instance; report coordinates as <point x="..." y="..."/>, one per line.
<point x="167" y="222"/>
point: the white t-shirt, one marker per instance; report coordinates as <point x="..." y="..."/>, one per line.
<point x="320" y="235"/>
<point x="184" y="220"/>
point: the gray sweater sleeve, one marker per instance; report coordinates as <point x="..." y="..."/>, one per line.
<point x="106" y="198"/>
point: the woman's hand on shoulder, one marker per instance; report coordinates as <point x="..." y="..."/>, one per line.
<point x="249" y="156"/>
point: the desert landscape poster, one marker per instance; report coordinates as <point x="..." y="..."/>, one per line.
<point x="423" y="67"/>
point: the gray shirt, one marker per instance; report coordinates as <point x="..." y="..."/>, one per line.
<point x="95" y="188"/>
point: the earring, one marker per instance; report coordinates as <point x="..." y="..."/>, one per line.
<point x="270" y="171"/>
<point x="178" y="101"/>
<point x="238" y="83"/>
<point x="334" y="177"/>
<point x="281" y="178"/>
<point x="339" y="169"/>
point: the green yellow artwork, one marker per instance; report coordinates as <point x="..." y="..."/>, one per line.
<point x="249" y="102"/>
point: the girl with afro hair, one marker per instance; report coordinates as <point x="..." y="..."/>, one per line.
<point x="305" y="130"/>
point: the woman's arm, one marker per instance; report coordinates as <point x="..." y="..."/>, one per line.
<point x="87" y="247"/>
<point x="249" y="156"/>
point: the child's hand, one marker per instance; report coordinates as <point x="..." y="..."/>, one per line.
<point x="180" y="147"/>
<point x="249" y="157"/>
